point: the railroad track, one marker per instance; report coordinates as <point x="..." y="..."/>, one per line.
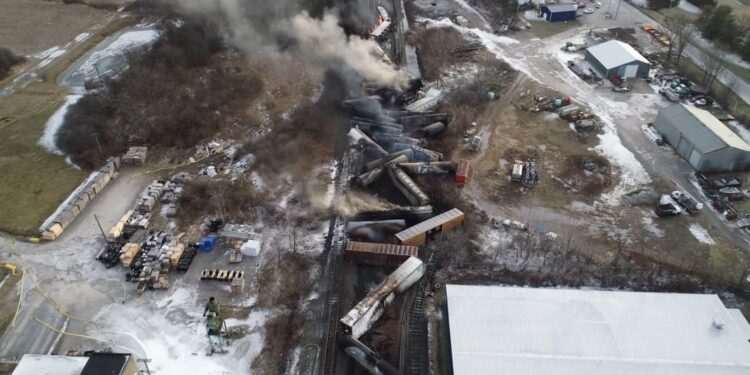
<point x="418" y="361"/>
<point x="336" y="242"/>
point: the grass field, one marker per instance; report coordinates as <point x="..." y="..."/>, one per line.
<point x="35" y="182"/>
<point x="32" y="26"/>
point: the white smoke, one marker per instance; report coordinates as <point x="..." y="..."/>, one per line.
<point x="320" y="42"/>
<point x="324" y="43"/>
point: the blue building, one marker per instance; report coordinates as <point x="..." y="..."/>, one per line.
<point x="558" y="12"/>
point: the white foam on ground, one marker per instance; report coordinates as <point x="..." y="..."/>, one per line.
<point x="124" y="43"/>
<point x="701" y="234"/>
<point x="48" y="140"/>
<point x="168" y="328"/>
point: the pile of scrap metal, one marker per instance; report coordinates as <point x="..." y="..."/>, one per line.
<point x="151" y="264"/>
<point x="524" y="172"/>
<point x="721" y="192"/>
<point x="54" y="226"/>
<point x="132" y="227"/>
<point x="362" y="317"/>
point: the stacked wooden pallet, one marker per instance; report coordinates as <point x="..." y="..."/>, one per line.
<point x="135" y="155"/>
<point x="221" y="275"/>
<point x="129" y="252"/>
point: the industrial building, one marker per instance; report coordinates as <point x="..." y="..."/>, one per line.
<point x="94" y="364"/>
<point x="617" y="58"/>
<point x="520" y="331"/>
<point x="701" y="139"/>
<point x="558" y="12"/>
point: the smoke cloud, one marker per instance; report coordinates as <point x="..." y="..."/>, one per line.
<point x="324" y="43"/>
<point x="353" y="203"/>
<point x="282" y="24"/>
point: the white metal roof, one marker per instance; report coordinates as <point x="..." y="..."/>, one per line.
<point x="614" y="53"/>
<point x="564" y="7"/>
<point x="514" y="331"/>
<point x="37" y="364"/>
<point x="717" y="127"/>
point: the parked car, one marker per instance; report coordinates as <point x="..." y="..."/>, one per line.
<point x="598" y="4"/>
<point x="581" y="5"/>
<point x="670" y="94"/>
<point x="588" y="11"/>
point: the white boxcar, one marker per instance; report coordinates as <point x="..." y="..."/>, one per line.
<point x="359" y="319"/>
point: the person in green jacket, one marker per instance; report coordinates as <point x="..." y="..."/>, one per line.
<point x="212" y="307"/>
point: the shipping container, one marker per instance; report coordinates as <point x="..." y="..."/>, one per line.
<point x="463" y="171"/>
<point x="419" y="234"/>
<point x="359" y="319"/>
<point x="379" y="254"/>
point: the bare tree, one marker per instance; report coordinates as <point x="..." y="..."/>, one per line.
<point x="731" y="86"/>
<point x="682" y="33"/>
<point x="714" y="63"/>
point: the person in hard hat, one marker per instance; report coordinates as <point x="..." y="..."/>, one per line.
<point x="212" y="307"/>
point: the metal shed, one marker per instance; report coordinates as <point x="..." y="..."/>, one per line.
<point x="558" y="12"/>
<point x="701" y="139"/>
<point x="617" y="58"/>
<point x="418" y="234"/>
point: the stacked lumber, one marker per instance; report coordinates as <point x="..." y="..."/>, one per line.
<point x="175" y="253"/>
<point x="117" y="229"/>
<point x="135" y="155"/>
<point x="78" y="200"/>
<point x="129" y="252"/>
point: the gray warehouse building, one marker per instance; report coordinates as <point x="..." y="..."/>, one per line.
<point x="617" y="58"/>
<point x="701" y="139"/>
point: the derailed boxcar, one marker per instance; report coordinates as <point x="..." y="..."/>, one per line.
<point x="359" y="319"/>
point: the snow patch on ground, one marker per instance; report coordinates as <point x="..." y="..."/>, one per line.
<point x="50" y="55"/>
<point x="741" y="130"/>
<point x="48" y="140"/>
<point x="124" y="43"/>
<point x="632" y="173"/>
<point x="257" y="180"/>
<point x="82" y="36"/>
<point x="651" y="226"/>
<point x="690" y="8"/>
<point x="468" y="7"/>
<point x="531" y="15"/>
<point x="701" y="234"/>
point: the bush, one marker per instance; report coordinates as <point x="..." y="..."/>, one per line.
<point x="175" y="94"/>
<point x="7" y="60"/>
<point x="234" y="201"/>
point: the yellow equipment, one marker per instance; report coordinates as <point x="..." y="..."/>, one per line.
<point x="10" y="267"/>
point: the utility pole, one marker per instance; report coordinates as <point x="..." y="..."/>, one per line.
<point x="618" y="8"/>
<point x="96" y="137"/>
<point x="100" y="228"/>
<point x="145" y="362"/>
<point x="96" y="66"/>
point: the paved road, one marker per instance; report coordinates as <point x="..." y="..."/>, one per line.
<point x="629" y="13"/>
<point x="64" y="269"/>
